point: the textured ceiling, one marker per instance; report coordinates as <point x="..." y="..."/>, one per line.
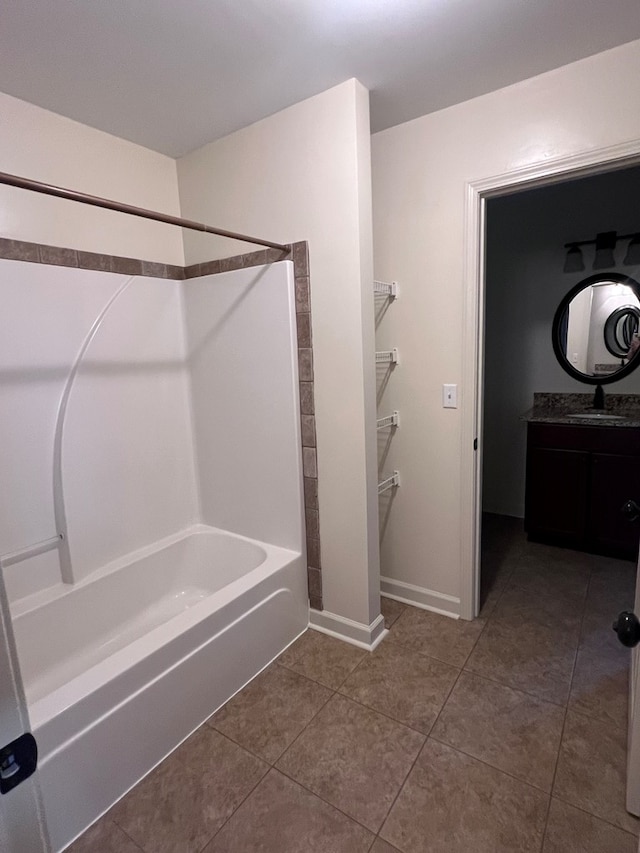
<point x="175" y="74"/>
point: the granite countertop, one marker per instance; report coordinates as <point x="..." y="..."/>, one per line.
<point x="562" y="408"/>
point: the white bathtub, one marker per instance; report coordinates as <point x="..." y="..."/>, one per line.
<point x="120" y="669"/>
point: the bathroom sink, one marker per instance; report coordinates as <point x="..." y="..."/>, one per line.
<point x="596" y="416"/>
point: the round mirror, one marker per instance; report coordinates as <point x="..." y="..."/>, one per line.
<point x="620" y="327"/>
<point x="595" y="329"/>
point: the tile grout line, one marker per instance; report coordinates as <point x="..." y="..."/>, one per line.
<point x="547" y="794"/>
<point x="420" y="751"/>
<point x="484" y="761"/>
<point x="291" y="778"/>
<point x="460" y="671"/>
<point x="566" y="710"/>
<point x="322" y="799"/>
<point x="474" y="757"/>
<point x="337" y="692"/>
<point x="492" y="766"/>
<point x="429" y="734"/>
<point x="244" y="799"/>
<point x="322" y="683"/>
<point x="290" y="667"/>
<point x="286" y="749"/>
<point x="527" y="693"/>
<point x="400" y="789"/>
<point x="584" y="604"/>
<point x="501" y="593"/>
<point x="115" y="823"/>
<point x="387" y="716"/>
<point x="464" y="668"/>
<point x="510" y="583"/>
<point x="613" y="724"/>
<point x="595" y="817"/>
<point x="301" y="784"/>
<point x="513" y="687"/>
<point x="391" y="638"/>
<point x="598" y="720"/>
<point x="210" y="839"/>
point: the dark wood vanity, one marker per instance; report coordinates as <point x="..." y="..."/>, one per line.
<point x="580" y="480"/>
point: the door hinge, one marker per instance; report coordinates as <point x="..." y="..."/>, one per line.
<point x="475" y="443"/>
<point x="18" y="761"/>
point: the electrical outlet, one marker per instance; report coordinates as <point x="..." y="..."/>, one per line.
<point x="450" y="396"/>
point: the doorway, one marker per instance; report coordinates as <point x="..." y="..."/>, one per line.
<point x="478" y="193"/>
<point x="598" y="603"/>
<point x="526" y="278"/>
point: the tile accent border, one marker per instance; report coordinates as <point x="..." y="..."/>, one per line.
<point x="300" y="256"/>
<point x="237" y="262"/>
<point x="38" y="253"/>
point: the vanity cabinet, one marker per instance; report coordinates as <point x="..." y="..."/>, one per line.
<point x="578" y="480"/>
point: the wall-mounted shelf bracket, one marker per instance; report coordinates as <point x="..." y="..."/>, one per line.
<point x="392" y="420"/>
<point x="391" y="482"/>
<point x="389" y="356"/>
<point x="386" y="288"/>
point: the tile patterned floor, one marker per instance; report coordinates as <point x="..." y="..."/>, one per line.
<point x="506" y="734"/>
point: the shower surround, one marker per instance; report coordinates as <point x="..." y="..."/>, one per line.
<point x="155" y="424"/>
<point x="38" y="253"/>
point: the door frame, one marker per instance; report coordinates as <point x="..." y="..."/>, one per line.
<point x="541" y="174"/>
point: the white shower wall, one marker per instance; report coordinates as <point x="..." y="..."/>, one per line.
<point x="128" y="475"/>
<point x="45" y="315"/>
<point x="242" y="357"/>
<point x="184" y="408"/>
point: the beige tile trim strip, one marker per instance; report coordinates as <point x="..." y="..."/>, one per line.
<point x="37" y="253"/>
<point x="19" y="250"/>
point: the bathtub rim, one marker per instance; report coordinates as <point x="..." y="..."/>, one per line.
<point x="29" y="603"/>
<point x="45" y="709"/>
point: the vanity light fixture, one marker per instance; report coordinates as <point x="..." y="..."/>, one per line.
<point x="605" y="244"/>
<point x="632" y="258"/>
<point x="574" y="261"/>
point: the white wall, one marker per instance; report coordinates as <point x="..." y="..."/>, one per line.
<point x="242" y="360"/>
<point x="579" y="325"/>
<point x="525" y="283"/>
<point x="303" y="174"/>
<point x="36" y="143"/>
<point x="420" y="174"/>
<point x="607" y="298"/>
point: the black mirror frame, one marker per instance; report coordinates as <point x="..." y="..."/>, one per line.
<point x="564" y="362"/>
<point x="611" y="342"/>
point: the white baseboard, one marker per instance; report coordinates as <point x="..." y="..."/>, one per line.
<point x="418" y="596"/>
<point x="356" y="633"/>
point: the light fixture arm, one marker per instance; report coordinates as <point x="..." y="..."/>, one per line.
<point x="605" y="243"/>
<point x="594" y="242"/>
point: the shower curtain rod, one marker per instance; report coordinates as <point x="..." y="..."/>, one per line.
<point x="97" y="201"/>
